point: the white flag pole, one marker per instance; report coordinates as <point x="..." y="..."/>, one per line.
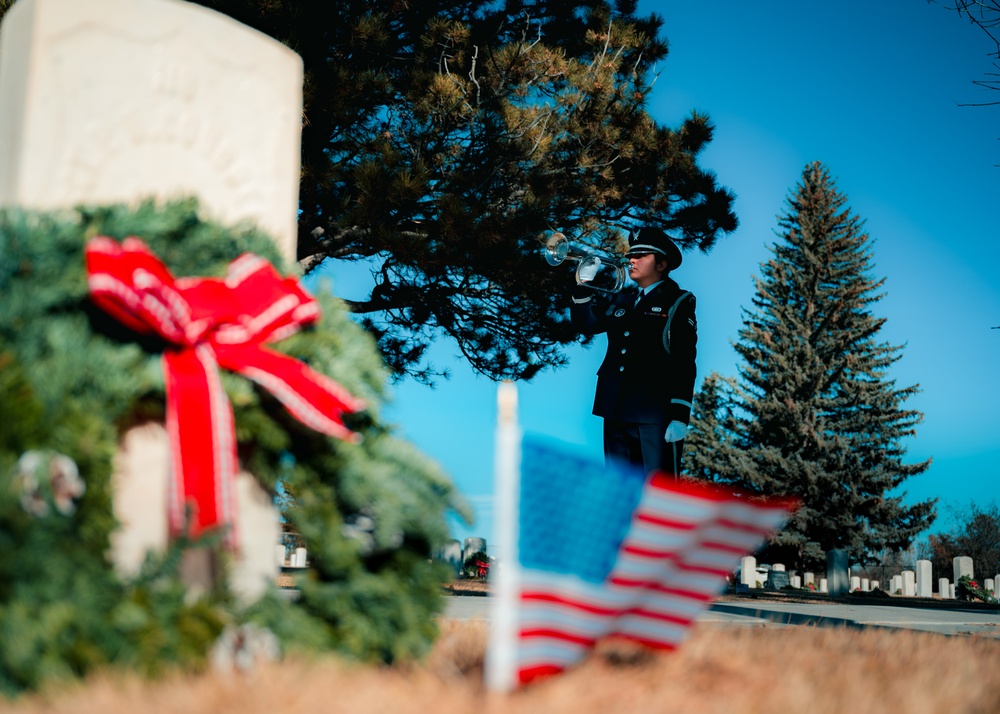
<point x="500" y="666"/>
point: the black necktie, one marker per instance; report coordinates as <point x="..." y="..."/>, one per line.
<point x="638" y="298"/>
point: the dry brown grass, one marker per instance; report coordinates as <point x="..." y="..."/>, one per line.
<point x="748" y="670"/>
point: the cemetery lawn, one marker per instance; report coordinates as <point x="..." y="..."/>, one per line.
<point x="750" y="670"/>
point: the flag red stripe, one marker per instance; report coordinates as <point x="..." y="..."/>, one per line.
<point x="531" y="596"/>
<point x="661" y="645"/>
<point x="663" y="589"/>
<point x="549" y="633"/>
<point x="675" y="559"/>
<point x="745" y="527"/>
<point x="646" y="517"/>
<point x="719" y="493"/>
<point x="528" y="674"/>
<point x="635" y="610"/>
<point x="723" y="547"/>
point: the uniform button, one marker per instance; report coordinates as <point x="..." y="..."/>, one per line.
<point x="626" y="334"/>
<point x="623" y="350"/>
<point x="622" y="368"/>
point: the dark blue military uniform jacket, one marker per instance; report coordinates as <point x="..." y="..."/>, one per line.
<point x="648" y="374"/>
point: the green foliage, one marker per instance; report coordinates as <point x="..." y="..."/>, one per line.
<point x="813" y="412"/>
<point x="975" y="533"/>
<point x="442" y="139"/>
<point x="476" y="566"/>
<point x="968" y="590"/>
<point x="72" y="379"/>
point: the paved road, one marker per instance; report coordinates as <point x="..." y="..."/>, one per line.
<point x="951" y="621"/>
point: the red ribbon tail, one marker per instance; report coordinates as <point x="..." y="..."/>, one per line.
<point x="313" y="398"/>
<point x="203" y="441"/>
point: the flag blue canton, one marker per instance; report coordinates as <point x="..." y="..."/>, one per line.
<point x="574" y="512"/>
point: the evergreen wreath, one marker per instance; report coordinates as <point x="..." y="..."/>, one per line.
<point x="72" y="380"/>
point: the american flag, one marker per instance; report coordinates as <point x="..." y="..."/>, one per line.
<point x="610" y="553"/>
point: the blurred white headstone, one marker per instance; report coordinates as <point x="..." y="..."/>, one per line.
<point x="107" y="101"/>
<point x="944" y="589"/>
<point x="748" y="571"/>
<point x="473" y="545"/>
<point x="451" y="554"/>
<point x="925" y="579"/>
<point x="962" y="565"/>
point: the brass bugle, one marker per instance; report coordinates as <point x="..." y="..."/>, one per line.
<point x="601" y="272"/>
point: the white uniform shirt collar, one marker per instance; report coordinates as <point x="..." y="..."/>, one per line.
<point x="648" y="289"/>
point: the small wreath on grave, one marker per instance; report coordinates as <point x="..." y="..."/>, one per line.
<point x="969" y="590"/>
<point x="476" y="566"/>
<point x="73" y="379"/>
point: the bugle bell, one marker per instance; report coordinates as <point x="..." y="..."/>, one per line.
<point x="604" y="273"/>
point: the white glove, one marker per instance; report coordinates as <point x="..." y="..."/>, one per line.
<point x="588" y="269"/>
<point x="676" y="431"/>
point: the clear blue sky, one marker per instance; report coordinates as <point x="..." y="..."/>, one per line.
<point x="871" y="89"/>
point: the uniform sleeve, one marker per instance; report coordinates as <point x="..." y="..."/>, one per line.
<point x="587" y="312"/>
<point x="683" y="342"/>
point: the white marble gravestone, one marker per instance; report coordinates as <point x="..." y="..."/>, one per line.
<point x="925" y="579"/>
<point x="451" y="555"/>
<point x="962" y="565"/>
<point x="748" y="571"/>
<point x="473" y="545"/>
<point x="105" y="101"/>
<point x="115" y="100"/>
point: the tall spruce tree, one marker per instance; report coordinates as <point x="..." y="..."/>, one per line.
<point x="813" y="411"/>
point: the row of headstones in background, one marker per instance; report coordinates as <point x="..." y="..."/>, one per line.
<point x="777" y="578"/>
<point x="910" y="583"/>
<point x="284" y="559"/>
<point x="454" y="552"/>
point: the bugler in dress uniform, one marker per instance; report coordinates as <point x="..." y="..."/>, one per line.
<point x="646" y="383"/>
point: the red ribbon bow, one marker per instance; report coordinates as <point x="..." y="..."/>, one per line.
<point x="210" y="323"/>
